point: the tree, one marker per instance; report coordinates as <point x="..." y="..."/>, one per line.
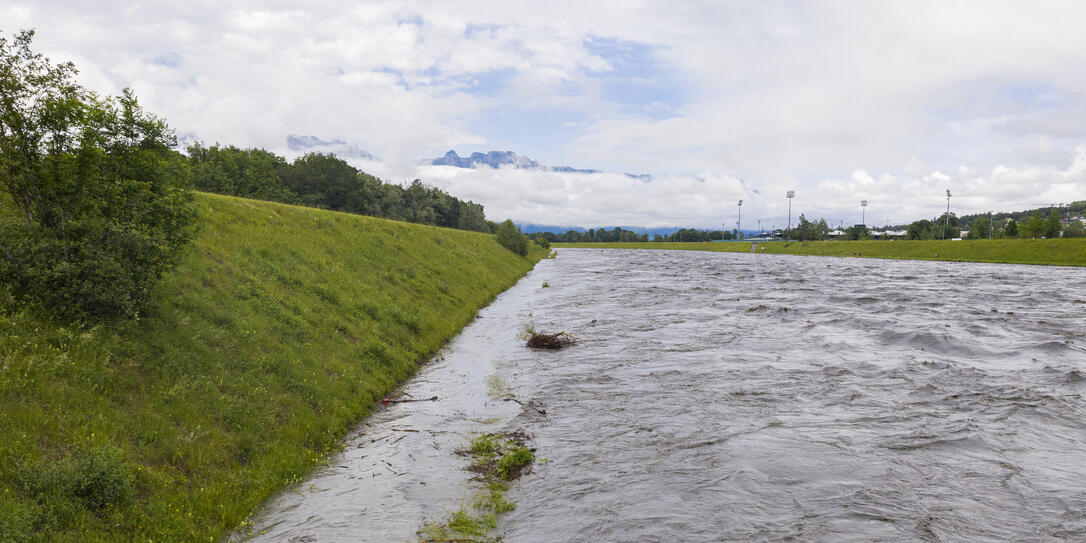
<point x="101" y="198"/>
<point x="1034" y="227"/>
<point x="1074" y="229"/>
<point x="1052" y="225"/>
<point x="947" y="229"/>
<point x="980" y="228"/>
<point x="510" y="237"/>
<point x="921" y="229"/>
<point x="857" y="232"/>
<point x="1010" y="230"/>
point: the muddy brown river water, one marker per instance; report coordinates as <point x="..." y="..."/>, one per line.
<point x="739" y="397"/>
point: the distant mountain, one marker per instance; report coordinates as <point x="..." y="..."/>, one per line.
<point x="494" y="159"/>
<point x="497" y="159"/>
<point x="337" y="147"/>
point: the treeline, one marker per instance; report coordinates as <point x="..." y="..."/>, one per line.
<point x="605" y="235"/>
<point x="1074" y="209"/>
<point x="327" y="182"/>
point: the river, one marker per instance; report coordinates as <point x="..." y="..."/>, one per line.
<point x="741" y="397"/>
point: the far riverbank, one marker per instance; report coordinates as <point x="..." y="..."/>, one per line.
<point x="1051" y="252"/>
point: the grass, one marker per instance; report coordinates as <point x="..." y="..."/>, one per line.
<point x="279" y="330"/>
<point x="1056" y="252"/>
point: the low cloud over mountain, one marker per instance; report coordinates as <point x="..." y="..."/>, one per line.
<point x="342" y="149"/>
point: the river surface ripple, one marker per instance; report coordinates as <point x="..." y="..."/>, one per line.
<point x="739" y="397"/>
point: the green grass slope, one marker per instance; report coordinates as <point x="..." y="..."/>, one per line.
<point x="1056" y="252"/>
<point x="279" y="330"/>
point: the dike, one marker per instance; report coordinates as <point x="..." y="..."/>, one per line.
<point x="279" y="330"/>
<point x="1050" y="252"/>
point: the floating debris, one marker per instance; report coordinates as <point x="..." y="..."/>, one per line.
<point x="539" y="340"/>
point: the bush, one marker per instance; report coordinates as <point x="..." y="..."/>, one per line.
<point x="100" y="198"/>
<point x="95" y="479"/>
<point x="1074" y="229"/>
<point x="509" y="236"/>
<point x="541" y="241"/>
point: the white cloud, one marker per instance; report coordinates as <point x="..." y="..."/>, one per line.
<point x="841" y="102"/>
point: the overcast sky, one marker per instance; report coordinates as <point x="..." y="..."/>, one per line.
<point x="892" y="102"/>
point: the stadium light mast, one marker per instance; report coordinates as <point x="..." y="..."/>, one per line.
<point x="739" y="223"/>
<point x="863" y="212"/>
<point x="946" y="221"/>
<point x="791" y="194"/>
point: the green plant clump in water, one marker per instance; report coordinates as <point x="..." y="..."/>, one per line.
<point x="496" y="459"/>
<point x="513" y="461"/>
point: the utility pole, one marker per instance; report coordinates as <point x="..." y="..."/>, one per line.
<point x="991" y="228"/>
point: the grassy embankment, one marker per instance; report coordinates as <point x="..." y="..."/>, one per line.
<point x="1058" y="252"/>
<point x="278" y="331"/>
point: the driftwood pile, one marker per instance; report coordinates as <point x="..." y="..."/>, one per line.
<point x="539" y="340"/>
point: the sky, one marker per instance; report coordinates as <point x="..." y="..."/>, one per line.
<point x="893" y="102"/>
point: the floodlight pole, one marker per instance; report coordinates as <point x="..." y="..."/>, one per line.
<point x="863" y="212"/>
<point x="946" y="221"/>
<point x="791" y="194"/>
<point x="739" y="229"/>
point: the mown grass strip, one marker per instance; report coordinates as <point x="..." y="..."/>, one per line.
<point x="279" y="330"/>
<point x="1053" y="252"/>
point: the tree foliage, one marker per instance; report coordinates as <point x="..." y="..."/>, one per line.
<point x="808" y="230"/>
<point x="510" y="237"/>
<point x="1010" y="230"/>
<point x="100" y="199"/>
<point x="328" y="182"/>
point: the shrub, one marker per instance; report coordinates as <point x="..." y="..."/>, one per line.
<point x="100" y="196"/>
<point x="509" y="236"/>
<point x="95" y="478"/>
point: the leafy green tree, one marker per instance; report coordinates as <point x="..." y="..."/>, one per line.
<point x="947" y="229"/>
<point x="921" y="229"/>
<point x="980" y="228"/>
<point x="1034" y="227"/>
<point x="857" y="232"/>
<point x="510" y="237"/>
<point x="1052" y="225"/>
<point x="1010" y="230"/>
<point x="249" y="173"/>
<point x="101" y="198"/>
<point x="1074" y="229"/>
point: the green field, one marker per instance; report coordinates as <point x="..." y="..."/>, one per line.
<point x="1056" y="252"/>
<point x="279" y="330"/>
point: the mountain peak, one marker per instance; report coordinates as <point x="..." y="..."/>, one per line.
<point x="338" y="147"/>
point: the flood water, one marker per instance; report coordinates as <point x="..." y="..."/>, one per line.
<point x="739" y="397"/>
